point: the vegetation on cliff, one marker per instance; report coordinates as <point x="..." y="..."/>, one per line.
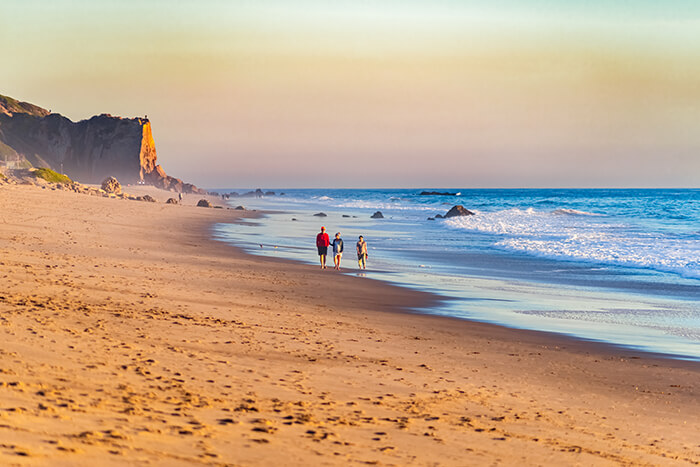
<point x="52" y="176"/>
<point x="11" y="106"/>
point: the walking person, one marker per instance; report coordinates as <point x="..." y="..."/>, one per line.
<point x="362" y="253"/>
<point x="322" y="243"/>
<point x="337" y="250"/>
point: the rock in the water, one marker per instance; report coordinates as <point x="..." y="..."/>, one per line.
<point x="204" y="203"/>
<point x="269" y="193"/>
<point x="377" y="215"/>
<point x="431" y="218"/>
<point x="320" y="214"/>
<point x="294" y="218"/>
<point x="148" y="198"/>
<point x="112" y="185"/>
<point x="171" y="201"/>
<point x="254" y="194"/>
<point x="437" y="193"/>
<point x="458" y="210"/>
<point x="439" y="216"/>
<point x="240" y="208"/>
<point x="345" y="215"/>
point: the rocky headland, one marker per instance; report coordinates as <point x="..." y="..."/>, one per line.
<point x="88" y="151"/>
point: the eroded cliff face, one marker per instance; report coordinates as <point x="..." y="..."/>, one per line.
<point x="147" y="154"/>
<point x="87" y="151"/>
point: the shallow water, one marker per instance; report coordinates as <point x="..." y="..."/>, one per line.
<point x="617" y="266"/>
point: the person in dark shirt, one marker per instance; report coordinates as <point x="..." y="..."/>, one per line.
<point x="337" y="250"/>
<point x="322" y="243"/>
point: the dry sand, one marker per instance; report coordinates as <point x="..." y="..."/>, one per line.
<point x="129" y="337"/>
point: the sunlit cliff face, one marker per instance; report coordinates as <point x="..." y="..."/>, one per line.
<point x="447" y="93"/>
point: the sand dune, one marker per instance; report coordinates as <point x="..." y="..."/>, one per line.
<point x="129" y="337"/>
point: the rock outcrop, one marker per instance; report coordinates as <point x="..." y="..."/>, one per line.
<point x="204" y="203"/>
<point x="377" y="215"/>
<point x="111" y="185"/>
<point x="87" y="151"/>
<point x="457" y="211"/>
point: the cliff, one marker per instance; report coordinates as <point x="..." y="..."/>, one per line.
<point x="87" y="151"/>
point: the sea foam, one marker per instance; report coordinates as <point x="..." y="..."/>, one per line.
<point x="583" y="236"/>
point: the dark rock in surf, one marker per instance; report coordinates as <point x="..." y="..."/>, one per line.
<point x="458" y="211"/>
<point x="377" y="215"/>
<point x="254" y="194"/>
<point x="437" y="193"/>
<point x="321" y="214"/>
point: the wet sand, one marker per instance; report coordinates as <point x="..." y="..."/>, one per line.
<point x="130" y="337"/>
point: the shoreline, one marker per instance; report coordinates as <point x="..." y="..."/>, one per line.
<point x="433" y="301"/>
<point x="470" y="298"/>
<point x="131" y="335"/>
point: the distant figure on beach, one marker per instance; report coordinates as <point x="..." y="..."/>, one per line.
<point x="362" y="253"/>
<point x="180" y="196"/>
<point x="322" y="243"/>
<point x="337" y="250"/>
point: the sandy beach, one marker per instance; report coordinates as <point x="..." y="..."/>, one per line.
<point x="130" y="337"/>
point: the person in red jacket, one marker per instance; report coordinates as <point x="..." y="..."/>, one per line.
<point x="322" y="242"/>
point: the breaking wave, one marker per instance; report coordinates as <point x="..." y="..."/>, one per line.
<point x="582" y="236"/>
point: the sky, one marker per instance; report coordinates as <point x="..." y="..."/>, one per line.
<point x="381" y="93"/>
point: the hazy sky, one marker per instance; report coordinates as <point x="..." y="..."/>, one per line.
<point x="382" y="93"/>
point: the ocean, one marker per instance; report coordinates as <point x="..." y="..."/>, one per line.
<point x="619" y="266"/>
